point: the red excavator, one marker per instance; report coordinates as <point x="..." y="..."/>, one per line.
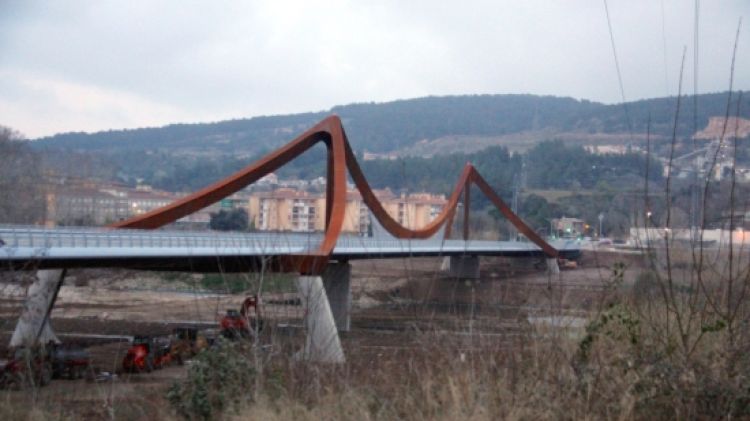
<point x="245" y="323"/>
<point x="147" y="353"/>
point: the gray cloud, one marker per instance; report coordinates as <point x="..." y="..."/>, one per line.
<point x="98" y="65"/>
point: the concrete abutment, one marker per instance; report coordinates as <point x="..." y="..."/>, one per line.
<point x="33" y="326"/>
<point x="337" y="281"/>
<point x="327" y="303"/>
<point x="462" y="267"/>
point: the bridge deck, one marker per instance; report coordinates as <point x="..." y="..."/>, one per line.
<point x="208" y="251"/>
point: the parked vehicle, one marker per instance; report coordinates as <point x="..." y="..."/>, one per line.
<point x="146" y="354"/>
<point x="27" y="367"/>
<point x="605" y="242"/>
<point x="567" y="264"/>
<point x="70" y="361"/>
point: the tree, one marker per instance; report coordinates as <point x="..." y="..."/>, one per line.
<point x="537" y="212"/>
<point x="22" y="198"/>
<point x="232" y="220"/>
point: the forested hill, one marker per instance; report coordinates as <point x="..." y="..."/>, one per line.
<point x="377" y="127"/>
<point x="394" y="125"/>
<point x="389" y="126"/>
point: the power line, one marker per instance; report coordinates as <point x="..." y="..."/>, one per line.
<point x="619" y="73"/>
<point x="694" y="190"/>
<point x="664" y="48"/>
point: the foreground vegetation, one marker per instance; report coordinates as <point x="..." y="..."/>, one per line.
<point x="671" y="345"/>
<point x="621" y="367"/>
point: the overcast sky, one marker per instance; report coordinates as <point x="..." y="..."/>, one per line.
<point x="97" y="65"/>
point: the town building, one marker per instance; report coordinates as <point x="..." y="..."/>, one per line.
<point x="568" y="227"/>
<point x="287" y="209"/>
<point x="611" y="149"/>
<point x="293" y="210"/>
<point x="414" y="210"/>
<point x="85" y="202"/>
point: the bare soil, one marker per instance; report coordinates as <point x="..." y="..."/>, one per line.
<point x="394" y="301"/>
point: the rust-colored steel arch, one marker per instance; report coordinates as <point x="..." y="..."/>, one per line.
<point x="340" y="157"/>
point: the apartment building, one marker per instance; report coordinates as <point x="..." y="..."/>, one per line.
<point x="88" y="203"/>
<point x="288" y="209"/>
<point x="414" y="210"/>
<point x="85" y="202"/>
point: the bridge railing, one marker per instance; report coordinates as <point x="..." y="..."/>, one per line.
<point x="75" y="237"/>
<point x="278" y="242"/>
<point x="38" y="237"/>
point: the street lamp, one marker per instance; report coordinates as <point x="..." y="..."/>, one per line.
<point x="601" y="218"/>
<point x="551" y="229"/>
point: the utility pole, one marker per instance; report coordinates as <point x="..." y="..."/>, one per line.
<point x="519" y="183"/>
<point x="694" y="198"/>
<point x="514" y="206"/>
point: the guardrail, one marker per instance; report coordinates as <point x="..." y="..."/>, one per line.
<point x="71" y="237"/>
<point x="283" y="242"/>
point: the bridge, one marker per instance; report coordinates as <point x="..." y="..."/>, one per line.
<point x="210" y="251"/>
<point x="320" y="260"/>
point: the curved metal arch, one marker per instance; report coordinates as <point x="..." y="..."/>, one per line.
<point x="340" y="158"/>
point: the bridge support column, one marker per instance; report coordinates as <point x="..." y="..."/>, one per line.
<point x="337" y="280"/>
<point x="552" y="266"/>
<point x="322" y="342"/>
<point x="465" y="267"/>
<point x="33" y="325"/>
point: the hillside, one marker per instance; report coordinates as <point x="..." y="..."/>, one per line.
<point x="377" y="127"/>
<point x="183" y="157"/>
<point x="400" y="125"/>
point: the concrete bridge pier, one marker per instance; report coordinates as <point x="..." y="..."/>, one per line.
<point x="552" y="267"/>
<point x="33" y="325"/>
<point x="463" y="267"/>
<point x="337" y="281"/>
<point x="327" y="303"/>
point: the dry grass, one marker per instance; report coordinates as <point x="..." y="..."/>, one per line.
<point x="624" y="364"/>
<point x="616" y="369"/>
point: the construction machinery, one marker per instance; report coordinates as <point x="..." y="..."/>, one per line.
<point x="27" y="367"/>
<point x="187" y="342"/>
<point x="70" y="361"/>
<point x="244" y="323"/>
<point x="146" y="354"/>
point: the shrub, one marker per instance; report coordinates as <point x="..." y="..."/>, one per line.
<point x="218" y="380"/>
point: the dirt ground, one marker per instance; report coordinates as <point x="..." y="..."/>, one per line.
<point x="393" y="300"/>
